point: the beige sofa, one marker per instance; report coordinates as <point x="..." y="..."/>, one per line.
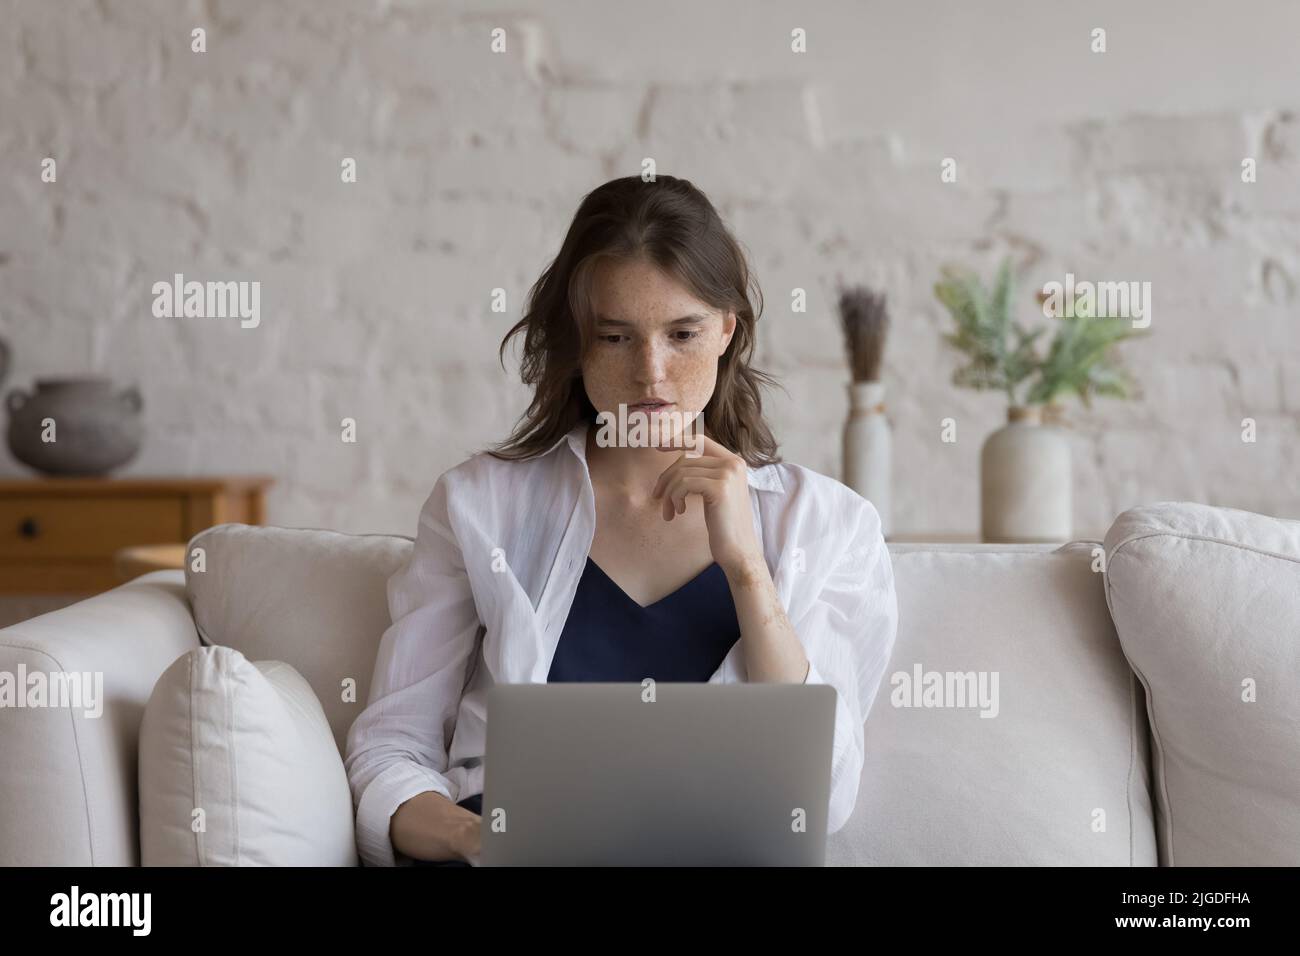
<point x="1132" y="702"/>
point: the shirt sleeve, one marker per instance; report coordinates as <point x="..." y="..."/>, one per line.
<point x="398" y="746"/>
<point x="848" y="633"/>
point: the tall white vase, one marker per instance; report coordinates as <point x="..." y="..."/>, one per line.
<point x="868" y="448"/>
<point x="1025" y="481"/>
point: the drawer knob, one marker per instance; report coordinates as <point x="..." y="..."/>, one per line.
<point x="29" y="528"/>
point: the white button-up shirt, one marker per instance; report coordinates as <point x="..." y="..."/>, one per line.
<point x="499" y="552"/>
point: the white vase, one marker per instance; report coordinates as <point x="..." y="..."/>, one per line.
<point x="868" y="448"/>
<point x="1025" y="481"/>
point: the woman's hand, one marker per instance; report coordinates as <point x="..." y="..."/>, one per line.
<point x="721" y="478"/>
<point x="468" y="840"/>
<point x="430" y="827"/>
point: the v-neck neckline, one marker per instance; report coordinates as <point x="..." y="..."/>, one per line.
<point x="647" y="607"/>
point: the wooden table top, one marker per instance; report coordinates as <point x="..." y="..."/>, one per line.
<point x="148" y="485"/>
<point x="141" y="559"/>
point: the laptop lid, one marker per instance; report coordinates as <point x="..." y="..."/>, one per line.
<point x="657" y="774"/>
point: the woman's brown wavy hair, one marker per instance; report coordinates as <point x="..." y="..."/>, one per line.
<point x="667" y="222"/>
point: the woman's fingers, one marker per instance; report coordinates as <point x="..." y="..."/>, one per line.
<point x="677" y="490"/>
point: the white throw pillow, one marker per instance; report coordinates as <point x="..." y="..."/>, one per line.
<point x="1207" y="604"/>
<point x="247" y="744"/>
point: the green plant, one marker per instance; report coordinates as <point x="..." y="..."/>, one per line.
<point x="1080" y="359"/>
<point x="984" y="326"/>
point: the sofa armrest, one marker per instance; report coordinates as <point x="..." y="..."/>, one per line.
<point x="69" y="792"/>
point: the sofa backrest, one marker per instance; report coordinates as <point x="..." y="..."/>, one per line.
<point x="1059" y="775"/>
<point x="317" y="600"/>
<point x="1009" y="729"/>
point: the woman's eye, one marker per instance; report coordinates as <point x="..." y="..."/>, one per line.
<point x="613" y="338"/>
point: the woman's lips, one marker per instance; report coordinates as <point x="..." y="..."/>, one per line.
<point x="656" y="406"/>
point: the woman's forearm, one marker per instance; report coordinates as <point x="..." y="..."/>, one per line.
<point x="773" y="652"/>
<point x="430" y="827"/>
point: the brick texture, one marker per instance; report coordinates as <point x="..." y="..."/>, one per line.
<point x="376" y="295"/>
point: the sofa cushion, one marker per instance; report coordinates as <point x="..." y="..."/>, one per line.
<point x="238" y="767"/>
<point x="317" y="600"/>
<point x="1049" y="766"/>
<point x="1207" y="604"/>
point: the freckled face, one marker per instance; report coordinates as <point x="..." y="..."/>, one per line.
<point x="641" y="345"/>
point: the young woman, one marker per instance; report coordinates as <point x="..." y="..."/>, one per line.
<point x="576" y="553"/>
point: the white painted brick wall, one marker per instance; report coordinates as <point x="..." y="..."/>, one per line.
<point x="375" y="301"/>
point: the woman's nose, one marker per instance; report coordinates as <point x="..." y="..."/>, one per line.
<point x="652" y="362"/>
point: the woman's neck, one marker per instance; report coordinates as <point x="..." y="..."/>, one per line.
<point x="630" y="473"/>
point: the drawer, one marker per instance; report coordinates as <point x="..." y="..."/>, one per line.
<point x="89" y="527"/>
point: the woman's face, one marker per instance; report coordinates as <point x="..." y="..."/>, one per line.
<point x="652" y="338"/>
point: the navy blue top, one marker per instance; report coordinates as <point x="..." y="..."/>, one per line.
<point x="682" y="637"/>
<point x="609" y="637"/>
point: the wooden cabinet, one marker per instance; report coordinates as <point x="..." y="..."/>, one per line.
<point x="59" y="535"/>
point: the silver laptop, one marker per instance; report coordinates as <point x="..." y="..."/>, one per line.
<point x="695" y="774"/>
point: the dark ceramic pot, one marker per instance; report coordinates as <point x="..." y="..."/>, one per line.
<point x="95" y="426"/>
